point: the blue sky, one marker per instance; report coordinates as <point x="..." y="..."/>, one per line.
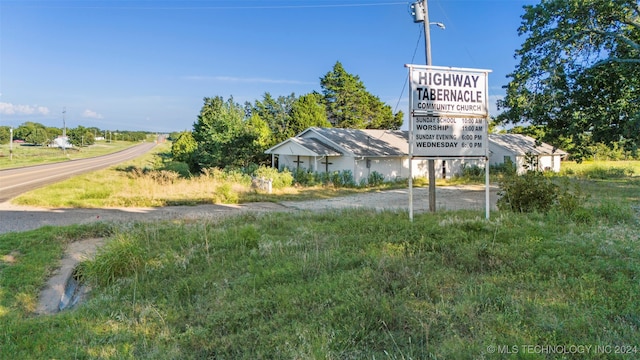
<point x="147" y="65"/>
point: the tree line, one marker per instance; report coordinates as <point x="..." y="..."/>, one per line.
<point x="227" y="134"/>
<point x="38" y="134"/>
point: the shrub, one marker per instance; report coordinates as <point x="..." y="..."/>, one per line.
<point x="231" y="175"/>
<point x="507" y="168"/>
<point x="178" y="167"/>
<point x="531" y="192"/>
<point x="226" y="195"/>
<point x="304" y="177"/>
<point x="346" y="179"/>
<point x="470" y="173"/>
<point x="281" y="179"/>
<point x="375" y="179"/>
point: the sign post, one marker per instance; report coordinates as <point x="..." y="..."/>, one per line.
<point x="449" y="117"/>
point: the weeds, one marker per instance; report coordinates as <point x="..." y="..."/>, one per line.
<point x="348" y="284"/>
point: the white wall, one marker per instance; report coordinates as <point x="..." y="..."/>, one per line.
<point x="288" y="161"/>
<point x="390" y="168"/>
<point x="550" y="162"/>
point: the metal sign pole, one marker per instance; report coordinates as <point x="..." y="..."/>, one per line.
<point x="487" y="195"/>
<point x="410" y="141"/>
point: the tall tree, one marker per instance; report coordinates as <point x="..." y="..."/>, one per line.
<point x="226" y="138"/>
<point x="277" y="114"/>
<point x="80" y="136"/>
<point x="5" y="134"/>
<point x="32" y="132"/>
<point x="350" y="105"/>
<point x="218" y="125"/>
<point x="307" y="111"/>
<point x="577" y="72"/>
<point x="183" y="146"/>
<point x="255" y="138"/>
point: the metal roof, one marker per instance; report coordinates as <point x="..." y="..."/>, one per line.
<point x="383" y="143"/>
<point x="522" y="145"/>
<point x="317" y="146"/>
<point x="363" y="142"/>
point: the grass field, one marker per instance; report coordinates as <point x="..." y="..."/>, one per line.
<point x="350" y="284"/>
<point x="353" y="284"/>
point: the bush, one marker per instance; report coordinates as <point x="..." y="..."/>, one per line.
<point x="281" y="179"/>
<point x="304" y="177"/>
<point x="342" y="178"/>
<point x="531" y="192"/>
<point x="230" y="175"/>
<point x="345" y="179"/>
<point x="375" y="179"/>
<point x="470" y="173"/>
<point x="507" y="168"/>
<point x="178" y="167"/>
<point x="571" y="198"/>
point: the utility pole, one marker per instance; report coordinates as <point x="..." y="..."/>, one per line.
<point x="431" y="162"/>
<point x="421" y="14"/>
<point x="11" y="143"/>
<point x="64" y="130"/>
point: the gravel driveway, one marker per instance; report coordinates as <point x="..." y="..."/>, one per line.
<point x="15" y="218"/>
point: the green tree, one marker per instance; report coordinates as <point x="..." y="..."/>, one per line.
<point x="307" y="111"/>
<point x="80" y="136"/>
<point x="350" y="105"/>
<point x="31" y="132"/>
<point x="258" y="138"/>
<point x="577" y="73"/>
<point x="277" y="114"/>
<point x="53" y="132"/>
<point x="4" y="134"/>
<point x="183" y="147"/>
<point x="226" y="138"/>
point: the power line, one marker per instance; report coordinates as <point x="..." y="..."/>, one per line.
<point x="406" y="79"/>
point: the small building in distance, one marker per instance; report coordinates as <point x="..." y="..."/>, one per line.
<point x="61" y="142"/>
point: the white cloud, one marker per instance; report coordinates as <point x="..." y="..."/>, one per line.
<point x="91" y="114"/>
<point x="12" y="109"/>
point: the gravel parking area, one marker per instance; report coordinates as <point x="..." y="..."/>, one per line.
<point x="19" y="218"/>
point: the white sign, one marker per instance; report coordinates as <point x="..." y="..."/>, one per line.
<point x="449" y="137"/>
<point x="440" y="90"/>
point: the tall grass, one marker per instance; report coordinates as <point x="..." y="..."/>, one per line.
<point x="153" y="180"/>
<point x="338" y="284"/>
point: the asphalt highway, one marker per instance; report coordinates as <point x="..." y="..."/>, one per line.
<point x="16" y="181"/>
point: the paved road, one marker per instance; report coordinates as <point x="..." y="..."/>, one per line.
<point x="14" y="182"/>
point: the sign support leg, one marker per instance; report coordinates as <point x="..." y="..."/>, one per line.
<point x="487" y="195"/>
